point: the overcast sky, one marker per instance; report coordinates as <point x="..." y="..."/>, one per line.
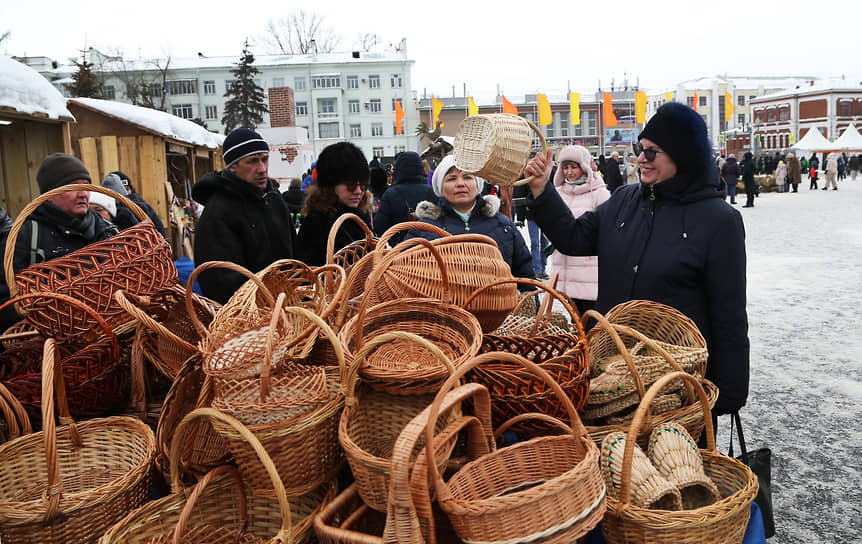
<point x="542" y="47"/>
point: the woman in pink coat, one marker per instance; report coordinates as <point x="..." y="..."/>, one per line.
<point x="582" y="189"/>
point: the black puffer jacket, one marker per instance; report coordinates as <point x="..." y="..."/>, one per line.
<point x="314" y="233"/>
<point x="730" y="171"/>
<point x="484" y="219"/>
<point x="677" y="243"/>
<point x="151" y="213"/>
<point x="241" y="224"/>
<point x="409" y="188"/>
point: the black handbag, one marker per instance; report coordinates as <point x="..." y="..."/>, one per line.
<point x="760" y="463"/>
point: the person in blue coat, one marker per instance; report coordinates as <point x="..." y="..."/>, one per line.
<point x="671" y="238"/>
<point x="461" y="209"/>
<point x="409" y="188"/>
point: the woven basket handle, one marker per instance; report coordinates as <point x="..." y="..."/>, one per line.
<point x="198" y="490"/>
<point x="353" y="371"/>
<point x="52" y="381"/>
<point x="578" y="431"/>
<point x="379" y="270"/>
<point x="564" y="300"/>
<point x="17" y="420"/>
<point x="531" y="416"/>
<point x="284" y="532"/>
<point x="333" y="232"/>
<point x="12" y="237"/>
<point x="605" y="325"/>
<point x="327" y="331"/>
<point x="544" y="148"/>
<point x="339" y="277"/>
<point x="405" y="226"/>
<point x="147" y="321"/>
<point x="266" y="368"/>
<point x="193" y="316"/>
<point x="641" y="417"/>
<point x="543" y="313"/>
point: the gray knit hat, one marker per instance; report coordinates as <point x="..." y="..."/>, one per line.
<point x="58" y="169"/>
<point x="114" y="183"/>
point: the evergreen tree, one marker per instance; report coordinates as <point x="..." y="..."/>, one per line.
<point x="86" y="85"/>
<point x="246" y="104"/>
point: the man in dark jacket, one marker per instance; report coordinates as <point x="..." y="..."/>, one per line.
<point x="409" y="188"/>
<point x="245" y="219"/>
<point x="671" y="239"/>
<point x="747" y="167"/>
<point x="613" y="178"/>
<point x="63" y="224"/>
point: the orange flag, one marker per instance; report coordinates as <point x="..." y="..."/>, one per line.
<point x="436" y="108"/>
<point x="508" y="107"/>
<point x="610" y="118"/>
<point x="695" y="101"/>
<point x="399" y="117"/>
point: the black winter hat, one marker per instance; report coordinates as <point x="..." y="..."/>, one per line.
<point x="242" y="142"/>
<point x="58" y="169"/>
<point x="681" y="132"/>
<point x="340" y="163"/>
<point x="408" y="168"/>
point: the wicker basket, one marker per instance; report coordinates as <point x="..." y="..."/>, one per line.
<point x="372" y="421"/>
<point x="546" y="488"/>
<point x="15" y="421"/>
<point x="72" y="497"/>
<point x="405" y="367"/>
<point x="514" y="389"/>
<point x="496" y="146"/>
<point x="137" y="260"/>
<point x="689" y="415"/>
<point x="18" y="334"/>
<point x="723" y="522"/>
<point x="305" y="448"/>
<point x="348" y="257"/>
<point x="96" y="374"/>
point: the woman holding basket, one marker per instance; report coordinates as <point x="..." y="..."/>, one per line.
<point x="671" y="238"/>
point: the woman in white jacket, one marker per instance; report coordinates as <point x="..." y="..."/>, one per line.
<point x="582" y="190"/>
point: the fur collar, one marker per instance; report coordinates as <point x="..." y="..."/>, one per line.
<point x="489" y="207"/>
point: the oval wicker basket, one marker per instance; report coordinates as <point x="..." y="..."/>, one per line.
<point x="496" y="147"/>
<point x="138" y="260"/>
<point x="15" y="421"/>
<point x="723" y="522"/>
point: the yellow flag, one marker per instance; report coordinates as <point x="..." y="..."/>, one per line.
<point x="575" y="107"/>
<point x="728" y="107"/>
<point x="668" y="96"/>
<point x="436" y="106"/>
<point x="472" y="108"/>
<point x="640" y="106"/>
<point x="545" y="115"/>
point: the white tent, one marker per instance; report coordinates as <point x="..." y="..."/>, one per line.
<point x="814" y="141"/>
<point x="851" y="140"/>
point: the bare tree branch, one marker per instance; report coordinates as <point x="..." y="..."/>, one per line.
<point x="297" y="33"/>
<point x="368" y="41"/>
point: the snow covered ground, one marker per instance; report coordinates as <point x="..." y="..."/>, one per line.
<point x="805" y="326"/>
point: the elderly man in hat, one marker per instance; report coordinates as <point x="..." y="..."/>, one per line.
<point x="63" y="224"/>
<point x="245" y="219"/>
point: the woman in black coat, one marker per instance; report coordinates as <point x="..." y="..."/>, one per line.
<point x="747" y="171"/>
<point x="671" y="239"/>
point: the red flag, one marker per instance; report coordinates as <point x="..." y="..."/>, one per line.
<point x="610" y="118"/>
<point x="399" y="117"/>
<point x="508" y="107"/>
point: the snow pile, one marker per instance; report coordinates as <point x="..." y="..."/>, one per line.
<point x="157" y="121"/>
<point x="26" y="91"/>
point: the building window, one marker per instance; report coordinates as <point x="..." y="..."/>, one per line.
<point x="844" y="108"/>
<point x="109" y="92"/>
<point x="355" y="131"/>
<point x="352" y="82"/>
<point x="689" y="100"/>
<point x="393" y="103"/>
<point x="211" y="112"/>
<point x="181" y="86"/>
<point x="228" y="85"/>
<point x="564" y="124"/>
<point x="758" y="116"/>
<point x="328" y="130"/>
<point x="396" y="81"/>
<point x="395" y="128"/>
<point x="740" y="100"/>
<point x="209" y="87"/>
<point x="299" y="84"/>
<point x="377" y="152"/>
<point x="770" y="115"/>
<point x="326" y="82"/>
<point x="182" y="110"/>
<point x="592" y="122"/>
<point x="377" y="129"/>
<point x="326" y="105"/>
<point x="373" y="82"/>
<point x="784" y="113"/>
<point x="302" y="108"/>
<point x="740" y="119"/>
<point x="400" y="149"/>
<point x="278" y="82"/>
<point x="375" y="105"/>
<point x="701" y="100"/>
<point x="353" y="106"/>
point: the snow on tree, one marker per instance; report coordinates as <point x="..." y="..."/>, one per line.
<point x="246" y="103"/>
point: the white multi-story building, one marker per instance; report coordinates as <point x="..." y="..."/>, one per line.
<point x="335" y="96"/>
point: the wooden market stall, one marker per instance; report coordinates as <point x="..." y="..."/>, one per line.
<point x="162" y="154"/>
<point x="34" y="122"/>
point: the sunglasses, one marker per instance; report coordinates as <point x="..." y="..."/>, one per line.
<point x="352" y="185"/>
<point x="649" y="152"/>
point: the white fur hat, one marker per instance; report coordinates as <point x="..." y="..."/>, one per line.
<point x="104" y="201"/>
<point x="442" y="169"/>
